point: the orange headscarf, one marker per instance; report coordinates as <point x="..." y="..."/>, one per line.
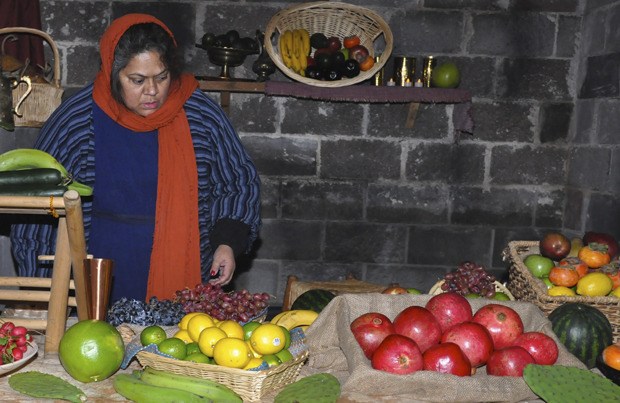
<point x="175" y="258"/>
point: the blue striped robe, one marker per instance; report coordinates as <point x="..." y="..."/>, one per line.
<point x="228" y="183"/>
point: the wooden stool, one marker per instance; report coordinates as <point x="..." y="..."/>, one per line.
<point x="70" y="251"/>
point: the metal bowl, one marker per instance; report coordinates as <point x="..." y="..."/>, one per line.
<point x="227" y="57"/>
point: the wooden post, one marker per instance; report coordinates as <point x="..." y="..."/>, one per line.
<point x="77" y="242"/>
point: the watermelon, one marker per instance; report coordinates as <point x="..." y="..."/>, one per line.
<point x="583" y="329"/>
<point x="314" y="300"/>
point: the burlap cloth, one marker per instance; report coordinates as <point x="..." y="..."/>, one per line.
<point x="333" y="349"/>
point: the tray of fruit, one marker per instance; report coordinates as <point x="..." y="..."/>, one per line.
<point x="328" y="44"/>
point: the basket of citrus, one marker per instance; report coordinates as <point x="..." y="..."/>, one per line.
<point x="251" y="359"/>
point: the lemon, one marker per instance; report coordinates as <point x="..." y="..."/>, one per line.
<point x="152" y="335"/>
<point x="208" y="338"/>
<point x="183" y="335"/>
<point x="255" y="362"/>
<point x="232" y="352"/>
<point x="559" y="290"/>
<point x="183" y="323"/>
<point x="268" y="338"/>
<point x="197" y="324"/>
<point x="594" y="284"/>
<point x="174" y="347"/>
<point x="615" y="293"/>
<point x="231" y="328"/>
<point x="254" y="353"/>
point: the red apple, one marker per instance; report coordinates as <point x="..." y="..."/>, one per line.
<point x="397" y="354"/>
<point x="474" y="340"/>
<point x="541" y="347"/>
<point x="509" y="361"/>
<point x="359" y="53"/>
<point x="449" y="308"/>
<point x="503" y="323"/>
<point x="334" y="44"/>
<point x="369" y="330"/>
<point x="555" y="246"/>
<point x="419" y="324"/>
<point x="447" y="358"/>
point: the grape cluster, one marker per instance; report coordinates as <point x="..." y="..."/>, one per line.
<point x="239" y="305"/>
<point x="469" y="278"/>
<point x="13" y="342"/>
<point x="155" y="312"/>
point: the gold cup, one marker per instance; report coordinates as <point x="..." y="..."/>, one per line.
<point x="98" y="277"/>
<point x="404" y="70"/>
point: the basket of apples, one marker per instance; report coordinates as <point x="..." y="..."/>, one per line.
<point x="16" y="347"/>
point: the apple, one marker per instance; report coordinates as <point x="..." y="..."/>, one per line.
<point x="397" y="354"/>
<point x="541" y="347"/>
<point x="503" y="323"/>
<point x="419" y="324"/>
<point x="474" y="340"/>
<point x="540" y="266"/>
<point x="359" y="53"/>
<point x="447" y="358"/>
<point x="509" y="361"/>
<point x="370" y="329"/>
<point x="554" y="245"/>
<point x="449" y="308"/>
<point x="334" y="44"/>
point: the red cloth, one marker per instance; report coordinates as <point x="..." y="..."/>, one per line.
<point x="23" y="13"/>
<point x="175" y="259"/>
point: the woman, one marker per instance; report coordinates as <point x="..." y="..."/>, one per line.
<point x="176" y="197"/>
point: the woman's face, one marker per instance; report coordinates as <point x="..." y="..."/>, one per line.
<point x="145" y="83"/>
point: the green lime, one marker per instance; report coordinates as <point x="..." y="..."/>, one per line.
<point x="472" y="295"/>
<point x="192" y="348"/>
<point x="538" y="265"/>
<point x="285" y="355"/>
<point x="271" y="359"/>
<point x="152" y="335"/>
<point x="248" y="328"/>
<point x="199" y="358"/>
<point x="501" y="296"/>
<point x="174" y="347"/>
<point x="287" y="337"/>
<point x="446" y="75"/>
<point x="414" y="291"/>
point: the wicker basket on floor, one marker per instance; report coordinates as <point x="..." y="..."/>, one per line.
<point x="524" y="286"/>
<point x="332" y="19"/>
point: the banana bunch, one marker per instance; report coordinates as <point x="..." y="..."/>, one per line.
<point x="30" y="159"/>
<point x="294" y="49"/>
<point x="295" y="318"/>
<point x="151" y="385"/>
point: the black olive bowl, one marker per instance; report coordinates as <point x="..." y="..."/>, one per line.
<point x="609" y="372"/>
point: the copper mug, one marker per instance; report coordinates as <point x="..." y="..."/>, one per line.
<point x="7" y="121"/>
<point x="98" y="278"/>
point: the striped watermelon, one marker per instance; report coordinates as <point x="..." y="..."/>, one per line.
<point x="314" y="300"/>
<point x="583" y="329"/>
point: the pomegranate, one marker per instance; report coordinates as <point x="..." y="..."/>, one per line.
<point x="503" y="323"/>
<point x="397" y="354"/>
<point x="541" y="347"/>
<point x="447" y="358"/>
<point x="420" y="325"/>
<point x="474" y="340"/>
<point x="509" y="361"/>
<point x="369" y="330"/>
<point x="449" y="308"/>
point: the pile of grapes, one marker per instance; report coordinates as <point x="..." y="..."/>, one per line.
<point x="470" y="278"/>
<point x="13" y="342"/>
<point x="155" y="312"/>
<point x="240" y="306"/>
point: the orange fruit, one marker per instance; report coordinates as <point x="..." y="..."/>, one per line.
<point x="564" y="276"/>
<point x="231" y="328"/>
<point x="208" y="338"/>
<point x="231" y="352"/>
<point x="197" y="324"/>
<point x="152" y="335"/>
<point x="268" y="338"/>
<point x="91" y="350"/>
<point x="611" y="356"/>
<point x="174" y="347"/>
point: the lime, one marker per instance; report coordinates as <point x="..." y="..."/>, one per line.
<point x="287" y="337"/>
<point x="285" y="355"/>
<point x="248" y="328"/>
<point x="91" y="350"/>
<point x="272" y="360"/>
<point x="192" y="348"/>
<point x="446" y="75"/>
<point x="174" y="347"/>
<point x="152" y="335"/>
<point x="538" y="265"/>
<point x="501" y="296"/>
<point x="414" y="291"/>
<point x="472" y="295"/>
<point x="594" y="284"/>
<point x="198" y="357"/>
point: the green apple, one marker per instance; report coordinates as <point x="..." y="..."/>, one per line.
<point x="538" y="265"/>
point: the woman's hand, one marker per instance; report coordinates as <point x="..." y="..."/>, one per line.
<point x="224" y="263"/>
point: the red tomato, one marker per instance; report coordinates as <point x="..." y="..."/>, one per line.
<point x="351" y="41"/>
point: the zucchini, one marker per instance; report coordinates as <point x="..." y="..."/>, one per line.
<point x="33" y="176"/>
<point x="33" y="190"/>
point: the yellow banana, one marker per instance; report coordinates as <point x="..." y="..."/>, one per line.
<point x="296" y="65"/>
<point x="297" y="317"/>
<point x="288" y="42"/>
<point x="275" y="319"/>
<point x="132" y="388"/>
<point x="305" y="40"/>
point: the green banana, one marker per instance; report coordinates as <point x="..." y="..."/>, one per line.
<point x="132" y="388"/>
<point x="198" y="386"/>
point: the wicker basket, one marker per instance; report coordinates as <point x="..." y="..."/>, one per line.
<point x="332" y="19"/>
<point x="44" y="98"/>
<point x="524" y="286"/>
<point x="499" y="287"/>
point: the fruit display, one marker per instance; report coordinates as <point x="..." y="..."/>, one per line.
<point x="14" y="342"/>
<point x="470" y="278"/>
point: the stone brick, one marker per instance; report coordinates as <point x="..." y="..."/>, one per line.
<point x="585" y="114"/>
<point x="483" y="5"/>
<point x="614" y="172"/>
<point x="514" y="34"/>
<point x="269" y="197"/>
<point x="282" y="156"/>
<point x="290" y="239"/>
<point x="549" y="209"/>
<point x="365" y="242"/>
<point x="566" y="6"/>
<point x="322" y="200"/>
<point x="322" y="118"/>
<point x="503" y="121"/>
<point x="388" y="120"/>
<point x="574" y="209"/>
<point x="593" y="32"/>
<point x="452" y="163"/>
<point x="242" y="17"/>
<point x="261" y="276"/>
<point x="503" y="236"/>
<point x="407" y="204"/>
<point x="360" y="159"/>
<point x="588" y="167"/>
<point x="608" y="126"/>
<point x="476" y="74"/>
<point x="75" y="21"/>
<point x="248" y="114"/>
<point x="84" y="62"/>
<point x="426" y="32"/>
<point x="449" y="246"/>
<point x="612" y="40"/>
<point x="595" y="4"/>
<point x="496" y="207"/>
<point x="568" y="34"/>
<point x="534" y="78"/>
<point x="603" y="213"/>
<point x="555" y="121"/>
<point x="510" y="165"/>
<point x="602" y="79"/>
<point x="422" y="278"/>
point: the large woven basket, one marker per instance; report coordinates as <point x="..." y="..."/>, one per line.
<point x="524" y="286"/>
<point x="332" y="19"/>
<point x="44" y="97"/>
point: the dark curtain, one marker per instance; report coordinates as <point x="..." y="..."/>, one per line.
<point x="23" y="13"/>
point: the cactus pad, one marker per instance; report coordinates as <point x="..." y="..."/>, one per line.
<point x="317" y="388"/>
<point x="39" y="384"/>
<point x="556" y="383"/>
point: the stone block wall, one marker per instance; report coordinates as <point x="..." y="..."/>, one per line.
<point x="347" y="188"/>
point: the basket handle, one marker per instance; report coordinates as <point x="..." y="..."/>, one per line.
<point x="47" y="38"/>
